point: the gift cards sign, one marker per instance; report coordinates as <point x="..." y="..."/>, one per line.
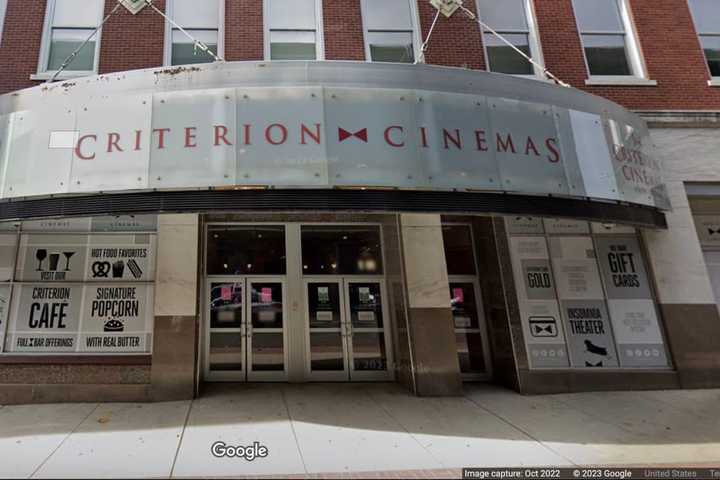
<point x="630" y="302"/>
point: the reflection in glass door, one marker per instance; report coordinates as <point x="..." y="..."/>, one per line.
<point x="469" y="321"/>
<point x="347" y="334"/>
<point x="246" y="338"/>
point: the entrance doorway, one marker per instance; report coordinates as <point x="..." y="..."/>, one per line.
<point x="347" y="329"/>
<point x="246" y="337"/>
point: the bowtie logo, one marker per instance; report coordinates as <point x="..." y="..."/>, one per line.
<point x="713" y="232"/>
<point x="360" y="134"/>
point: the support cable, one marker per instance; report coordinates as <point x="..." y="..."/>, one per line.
<point x="485" y="26"/>
<point x="457" y="4"/>
<point x="423" y="49"/>
<point x="197" y="43"/>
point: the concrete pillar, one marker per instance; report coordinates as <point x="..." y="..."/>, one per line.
<point x="432" y="336"/>
<point x="176" y="308"/>
<point x="685" y="294"/>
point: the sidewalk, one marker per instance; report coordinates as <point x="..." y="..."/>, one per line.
<point x="363" y="429"/>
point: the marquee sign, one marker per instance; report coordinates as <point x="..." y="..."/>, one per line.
<point x="407" y="127"/>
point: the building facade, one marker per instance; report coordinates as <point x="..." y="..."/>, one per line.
<point x="357" y="190"/>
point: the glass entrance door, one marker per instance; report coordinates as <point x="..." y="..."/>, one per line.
<point x="347" y="331"/>
<point x="246" y="339"/>
<point x="470" y="330"/>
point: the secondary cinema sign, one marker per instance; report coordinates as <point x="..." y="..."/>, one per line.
<point x="205" y="135"/>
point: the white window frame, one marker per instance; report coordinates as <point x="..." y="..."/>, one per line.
<point x="533" y="39"/>
<point x="416" y="38"/>
<point x="319" y="32"/>
<point x="714" y="80"/>
<point x="44" y="57"/>
<point x="167" y="54"/>
<point x="636" y="61"/>
<point x="3" y="9"/>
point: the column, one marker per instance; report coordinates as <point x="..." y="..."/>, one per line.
<point x="176" y="308"/>
<point x="685" y="295"/>
<point x="432" y="338"/>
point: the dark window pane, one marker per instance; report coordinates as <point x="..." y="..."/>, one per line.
<point x="464" y="305"/>
<point x="292" y="51"/>
<point x="392" y="53"/>
<point x="268" y="352"/>
<point x="64" y="43"/>
<point x="470" y="352"/>
<point x="240" y="250"/>
<point x="226" y="352"/>
<point x="365" y="305"/>
<point x="504" y="59"/>
<point x="187" y="54"/>
<point x="711" y="45"/>
<point x="369" y="353"/>
<point x="346" y="250"/>
<point x="267" y="305"/>
<point x="606" y="55"/>
<point x="226" y="305"/>
<point x="324" y="305"/>
<point x="459" y="257"/>
<point x="184" y="51"/>
<point x="326" y="352"/>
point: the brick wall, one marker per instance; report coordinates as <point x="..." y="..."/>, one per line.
<point x="21" y="39"/>
<point x="132" y="41"/>
<point x="243" y="30"/>
<point x="344" y="38"/>
<point x="667" y="36"/>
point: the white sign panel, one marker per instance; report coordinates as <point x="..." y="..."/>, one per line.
<point x="223" y="126"/>
<point x="45" y="318"/>
<point x="539" y="310"/>
<point x="52" y="258"/>
<point x="121" y="258"/>
<point x="116" y="318"/>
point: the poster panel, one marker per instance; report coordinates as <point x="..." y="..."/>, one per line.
<point x="46" y="318"/>
<point x="117" y="318"/>
<point x="623" y="268"/>
<point x="121" y="258"/>
<point x="588" y="333"/>
<point x="543" y="334"/>
<point x="52" y="258"/>
<point x="575" y="268"/>
<point x="637" y="332"/>
<point x="539" y="311"/>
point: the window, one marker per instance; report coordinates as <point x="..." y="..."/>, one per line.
<point x="513" y="19"/>
<point x="390" y="30"/>
<point x="293" y="30"/>
<point x="707" y="23"/>
<point x="607" y="37"/>
<point x="203" y="20"/>
<point x="68" y="23"/>
<point x="3" y="8"/>
<point x="246" y="250"/>
<point x="341" y="250"/>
